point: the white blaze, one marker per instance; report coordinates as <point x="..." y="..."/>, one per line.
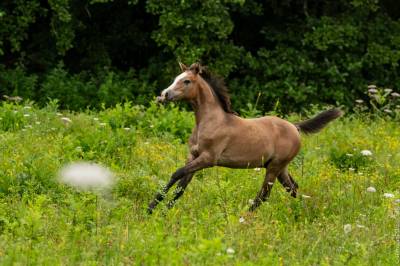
<point x="172" y="86"/>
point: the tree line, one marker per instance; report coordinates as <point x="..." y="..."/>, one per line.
<point x="291" y="52"/>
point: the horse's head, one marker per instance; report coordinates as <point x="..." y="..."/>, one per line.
<point x="184" y="86"/>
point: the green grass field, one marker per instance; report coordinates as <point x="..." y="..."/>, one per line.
<point x="43" y="222"/>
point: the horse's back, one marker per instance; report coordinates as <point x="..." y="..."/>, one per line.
<point x="256" y="140"/>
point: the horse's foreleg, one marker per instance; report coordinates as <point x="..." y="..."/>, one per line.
<point x="161" y="195"/>
<point x="180" y="189"/>
<point x="203" y="161"/>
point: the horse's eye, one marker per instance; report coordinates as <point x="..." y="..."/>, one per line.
<point x="186" y="82"/>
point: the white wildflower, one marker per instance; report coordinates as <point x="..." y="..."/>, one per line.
<point x="388" y="90"/>
<point x="257" y="169"/>
<point x="395" y="94"/>
<point x="27" y="107"/>
<point x="59" y="114"/>
<point x="372" y="91"/>
<point x="372" y="86"/>
<point x="85" y="175"/>
<point x="127" y="128"/>
<point x="366" y="152"/>
<point x="359" y="101"/>
<point x="388" y="195"/>
<point x="352" y="169"/>
<point x="241" y="220"/>
<point x="230" y="251"/>
<point x="27" y="115"/>
<point x="347" y="228"/>
<point x="66" y="120"/>
<point x="103" y="124"/>
<point x="305" y="196"/>
<point x="95" y="119"/>
<point x="37" y="123"/>
<point x="371" y="189"/>
<point x="397" y="200"/>
<point x="349" y="155"/>
<point x="387" y="111"/>
<point x="251" y="201"/>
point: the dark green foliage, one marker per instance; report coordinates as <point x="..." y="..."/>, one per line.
<point x="299" y="52"/>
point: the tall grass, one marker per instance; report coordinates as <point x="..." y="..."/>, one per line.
<point x="43" y="222"/>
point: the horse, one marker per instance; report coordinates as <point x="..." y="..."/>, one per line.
<point x="222" y="138"/>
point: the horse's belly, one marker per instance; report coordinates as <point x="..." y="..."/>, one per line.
<point x="246" y="156"/>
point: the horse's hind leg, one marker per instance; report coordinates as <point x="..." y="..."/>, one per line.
<point x="263" y="194"/>
<point x="288" y="182"/>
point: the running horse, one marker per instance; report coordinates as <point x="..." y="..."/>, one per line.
<point x="222" y="138"/>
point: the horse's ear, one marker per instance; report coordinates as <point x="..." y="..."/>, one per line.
<point x="182" y="66"/>
<point x="196" y="68"/>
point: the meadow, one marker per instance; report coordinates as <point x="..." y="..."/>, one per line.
<point x="334" y="221"/>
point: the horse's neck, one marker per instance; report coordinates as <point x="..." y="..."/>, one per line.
<point x="206" y="106"/>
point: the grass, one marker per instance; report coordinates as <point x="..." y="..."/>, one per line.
<point x="43" y="222"/>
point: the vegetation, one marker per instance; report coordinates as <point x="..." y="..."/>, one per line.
<point x="334" y="221"/>
<point x="85" y="53"/>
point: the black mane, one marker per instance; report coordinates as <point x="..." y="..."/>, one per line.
<point x="217" y="84"/>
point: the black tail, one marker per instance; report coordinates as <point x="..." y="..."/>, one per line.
<point x="317" y="123"/>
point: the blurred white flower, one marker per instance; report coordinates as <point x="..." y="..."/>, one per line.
<point x="372" y="91"/>
<point x="257" y="169"/>
<point x="349" y="155"/>
<point x="366" y="152"/>
<point x="251" y="201"/>
<point x="27" y="107"/>
<point x="372" y="86"/>
<point x="86" y="175"/>
<point x="230" y="251"/>
<point x="66" y="120"/>
<point x="359" y="101"/>
<point x="360" y="226"/>
<point x="388" y="195"/>
<point x="27" y="115"/>
<point x="397" y="200"/>
<point x="103" y="124"/>
<point x="59" y="114"/>
<point x="306" y="196"/>
<point x="127" y="128"/>
<point x="371" y="189"/>
<point x="352" y="169"/>
<point x="387" y="111"/>
<point x="241" y="220"/>
<point x="395" y="94"/>
<point x="388" y="90"/>
<point x="95" y="119"/>
<point x="347" y="228"/>
<point x="37" y="123"/>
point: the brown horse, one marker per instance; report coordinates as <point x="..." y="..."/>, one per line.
<point x="221" y="138"/>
